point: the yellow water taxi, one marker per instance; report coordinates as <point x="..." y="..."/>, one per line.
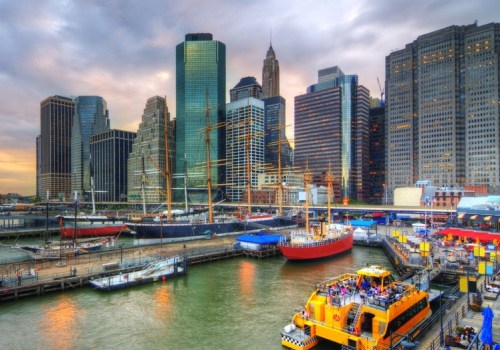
<point x="366" y="310"/>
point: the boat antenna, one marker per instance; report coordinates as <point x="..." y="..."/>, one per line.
<point x="92" y="186"/>
<point x="143" y="180"/>
<point x="47" y="217"/>
<point x="307" y="180"/>
<point x="329" y="183"/>
<point x="207" y="149"/>
<point x="167" y="164"/>
<point x="185" y="185"/>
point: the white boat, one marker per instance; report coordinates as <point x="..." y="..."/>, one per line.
<point x="155" y="271"/>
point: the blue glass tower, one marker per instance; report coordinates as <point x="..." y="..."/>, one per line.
<point x="200" y="87"/>
<point x="91" y="117"/>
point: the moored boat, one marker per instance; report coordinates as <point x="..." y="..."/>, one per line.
<point x="366" y="310"/>
<point x="155" y="271"/>
<point x="87" y="226"/>
<point x="323" y="242"/>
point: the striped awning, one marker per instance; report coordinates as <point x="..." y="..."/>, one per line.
<point x="461" y="215"/>
<point x="487" y="218"/>
<point x="473" y="217"/>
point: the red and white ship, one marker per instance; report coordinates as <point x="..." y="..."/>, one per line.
<point x="322" y="242"/>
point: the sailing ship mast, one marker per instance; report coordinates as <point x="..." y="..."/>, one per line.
<point x="249" y="176"/>
<point x="207" y="149"/>
<point x="329" y="183"/>
<point x="167" y="165"/>
<point x="307" y="180"/>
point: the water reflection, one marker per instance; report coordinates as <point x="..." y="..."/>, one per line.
<point x="162" y="302"/>
<point x="246" y="274"/>
<point x="58" y="324"/>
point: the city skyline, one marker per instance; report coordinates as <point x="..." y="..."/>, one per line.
<point x="125" y="52"/>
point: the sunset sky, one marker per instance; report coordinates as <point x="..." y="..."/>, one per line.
<point x="124" y="51"/>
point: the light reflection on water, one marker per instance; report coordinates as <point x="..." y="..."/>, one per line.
<point x="240" y="303"/>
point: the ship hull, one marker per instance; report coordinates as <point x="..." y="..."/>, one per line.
<point x="94" y="231"/>
<point x="183" y="231"/>
<point x="319" y="250"/>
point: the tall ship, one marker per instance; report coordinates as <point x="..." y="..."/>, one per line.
<point x="366" y="310"/>
<point x="165" y="227"/>
<point x="322" y="240"/>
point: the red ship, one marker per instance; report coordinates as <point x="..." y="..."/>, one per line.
<point x="94" y="230"/>
<point x="321" y="243"/>
<point x="89" y="226"/>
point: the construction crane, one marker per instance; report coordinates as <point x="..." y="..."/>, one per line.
<point x="381" y="92"/>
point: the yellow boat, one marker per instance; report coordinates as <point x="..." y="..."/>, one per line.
<point x="366" y="310"/>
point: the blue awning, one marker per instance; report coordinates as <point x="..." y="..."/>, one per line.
<point x="363" y="223"/>
<point x="260" y="238"/>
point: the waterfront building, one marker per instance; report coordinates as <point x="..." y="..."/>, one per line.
<point x="109" y="161"/>
<point x="244" y="145"/>
<point x="91" y="117"/>
<point x="331" y="132"/>
<point x="54" y="167"/>
<point x="270" y="75"/>
<point x="442" y="122"/>
<point x="201" y="95"/>
<point x="267" y="185"/>
<point x="376" y="183"/>
<point x="247" y="87"/>
<point x="146" y="161"/>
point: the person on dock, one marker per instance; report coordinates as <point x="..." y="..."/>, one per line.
<point x="19" y="278"/>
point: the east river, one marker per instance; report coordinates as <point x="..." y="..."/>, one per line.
<point x="239" y="303"/>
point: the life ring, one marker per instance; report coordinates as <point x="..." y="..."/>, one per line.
<point x="336" y="318"/>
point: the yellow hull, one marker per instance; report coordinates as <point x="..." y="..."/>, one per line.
<point x="357" y="320"/>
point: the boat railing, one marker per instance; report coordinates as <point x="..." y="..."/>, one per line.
<point x="323" y="286"/>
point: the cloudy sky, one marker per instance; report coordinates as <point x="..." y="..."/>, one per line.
<point x="124" y="51"/>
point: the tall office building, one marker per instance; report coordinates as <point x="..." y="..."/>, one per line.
<point x="91" y="117"/>
<point x="110" y="150"/>
<point x="270" y="75"/>
<point x="442" y="118"/>
<point x="376" y="183"/>
<point x="56" y="120"/>
<point x="146" y="162"/>
<point x="247" y="87"/>
<point x="275" y="113"/>
<point x="331" y="132"/>
<point x="201" y="103"/>
<point x="244" y="145"/>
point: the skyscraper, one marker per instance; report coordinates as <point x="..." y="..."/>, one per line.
<point x="110" y="150"/>
<point x="244" y="145"/>
<point x="270" y="75"/>
<point x="56" y="120"/>
<point x="146" y="162"/>
<point x="91" y="117"/>
<point x="247" y="87"/>
<point x="331" y="133"/>
<point x="201" y="103"/>
<point x="376" y="183"/>
<point x="442" y="121"/>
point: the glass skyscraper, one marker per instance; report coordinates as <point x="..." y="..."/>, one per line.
<point x="331" y="131"/>
<point x="91" y="117"/>
<point x="110" y="151"/>
<point x="200" y="92"/>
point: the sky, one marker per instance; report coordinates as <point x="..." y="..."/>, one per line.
<point x="124" y="51"/>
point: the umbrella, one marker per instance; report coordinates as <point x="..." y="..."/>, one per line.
<point x="487" y="333"/>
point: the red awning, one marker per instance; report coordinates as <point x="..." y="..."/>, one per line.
<point x="481" y="235"/>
